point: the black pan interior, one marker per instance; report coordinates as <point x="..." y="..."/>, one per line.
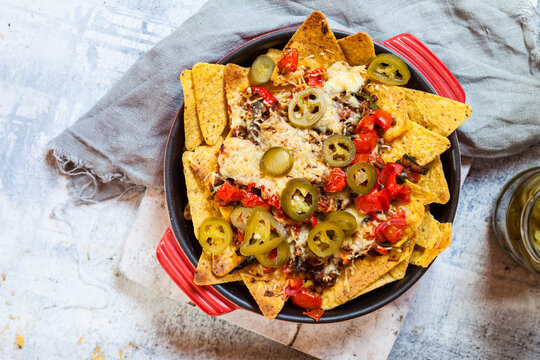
<point x="238" y="293"/>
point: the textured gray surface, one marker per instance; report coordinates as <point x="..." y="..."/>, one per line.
<point x="59" y="285"/>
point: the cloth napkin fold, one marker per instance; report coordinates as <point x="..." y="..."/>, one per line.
<point x="491" y="48"/>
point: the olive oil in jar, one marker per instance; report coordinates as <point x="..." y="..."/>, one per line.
<point x="516" y="219"/>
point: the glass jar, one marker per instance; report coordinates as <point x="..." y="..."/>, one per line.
<point x="516" y="219"/>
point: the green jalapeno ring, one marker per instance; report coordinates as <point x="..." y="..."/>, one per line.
<point x="325" y="238"/>
<point x="215" y="234"/>
<point x="338" y="150"/>
<point x="389" y="69"/>
<point x="346" y="220"/>
<point x="261" y="70"/>
<point x="282" y="257"/>
<point x="307" y="107"/>
<point x="263" y="233"/>
<point x="276" y="161"/>
<point x="361" y="177"/>
<point x="240" y="216"/>
<point x="299" y="199"/>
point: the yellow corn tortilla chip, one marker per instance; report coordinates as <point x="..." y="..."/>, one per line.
<point x="391" y="99"/>
<point x="418" y="142"/>
<point x="435" y="182"/>
<point x="396" y="273"/>
<point x="198" y="194"/>
<point x="316" y="44"/>
<point x="428" y="232"/>
<point x="358" y="49"/>
<point x="236" y="82"/>
<point x="268" y="294"/>
<point x="424" y="256"/>
<point x="203" y="162"/>
<point x="225" y="262"/>
<point x="418" y="193"/>
<point x="436" y="113"/>
<point x="205" y="276"/>
<point x="192" y="130"/>
<point x="275" y="54"/>
<point x="415" y="214"/>
<point x="361" y="273"/>
<point x="210" y="98"/>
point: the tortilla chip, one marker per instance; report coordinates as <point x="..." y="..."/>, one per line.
<point x="418" y="142"/>
<point x="225" y="262"/>
<point x="358" y="49"/>
<point x="198" y="194"/>
<point x="316" y="44"/>
<point x="424" y="256"/>
<point x="203" y="162"/>
<point x="192" y="130"/>
<point x="275" y="54"/>
<point x="418" y="193"/>
<point x="362" y="273"/>
<point x="205" y="276"/>
<point x="391" y="99"/>
<point x="268" y="294"/>
<point x="428" y="232"/>
<point x="415" y="215"/>
<point x="236" y="82"/>
<point x="436" y="113"/>
<point x="397" y="273"/>
<point x="435" y="182"/>
<point x="210" y="98"/>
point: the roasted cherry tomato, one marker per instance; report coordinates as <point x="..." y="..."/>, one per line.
<point x="373" y="201"/>
<point x="336" y="181"/>
<point x="361" y="177"/>
<point x="261" y="70"/>
<point x="307" y="299"/>
<point x="299" y="199"/>
<point x="390" y="168"/>
<point x="391" y="230"/>
<point x="325" y="238"/>
<point x="316" y="77"/>
<point x="277" y="161"/>
<point x="383" y="118"/>
<point x="263" y="233"/>
<point x="389" y="69"/>
<point x="215" y="234"/>
<point x="229" y="193"/>
<point x="293" y="286"/>
<point x="267" y="96"/>
<point x="276" y="257"/>
<point x="345" y="219"/>
<point x="240" y="216"/>
<point x="338" y="150"/>
<point x="307" y="107"/>
<point x="366" y="125"/>
<point x="365" y="142"/>
<point x="289" y="60"/>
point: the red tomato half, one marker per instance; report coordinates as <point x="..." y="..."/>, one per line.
<point x="384" y="119"/>
<point x="316" y="78"/>
<point x="293" y="286"/>
<point x="391" y="230"/>
<point x="373" y="201"/>
<point x="365" y="142"/>
<point x="289" y="61"/>
<point x="307" y="299"/>
<point x="336" y="181"/>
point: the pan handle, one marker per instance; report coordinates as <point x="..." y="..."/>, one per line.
<point x="176" y="264"/>
<point x="425" y="61"/>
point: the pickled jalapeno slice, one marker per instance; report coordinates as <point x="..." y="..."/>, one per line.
<point x="307" y="107"/>
<point x="263" y="233"/>
<point x="276" y="257"/>
<point x="215" y="234"/>
<point x="325" y="238"/>
<point x="338" y="150"/>
<point x="361" y="177"/>
<point x="345" y="219"/>
<point x="389" y="69"/>
<point x="276" y="161"/>
<point x="261" y="70"/>
<point x="299" y="199"/>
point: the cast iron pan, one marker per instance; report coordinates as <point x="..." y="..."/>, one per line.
<point x="237" y="293"/>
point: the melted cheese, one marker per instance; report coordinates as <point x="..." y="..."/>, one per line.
<point x="345" y="78"/>
<point x="330" y="120"/>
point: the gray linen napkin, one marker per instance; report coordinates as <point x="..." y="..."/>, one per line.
<point x="490" y="46"/>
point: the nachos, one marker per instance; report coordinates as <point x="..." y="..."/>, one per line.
<point x="310" y="174"/>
